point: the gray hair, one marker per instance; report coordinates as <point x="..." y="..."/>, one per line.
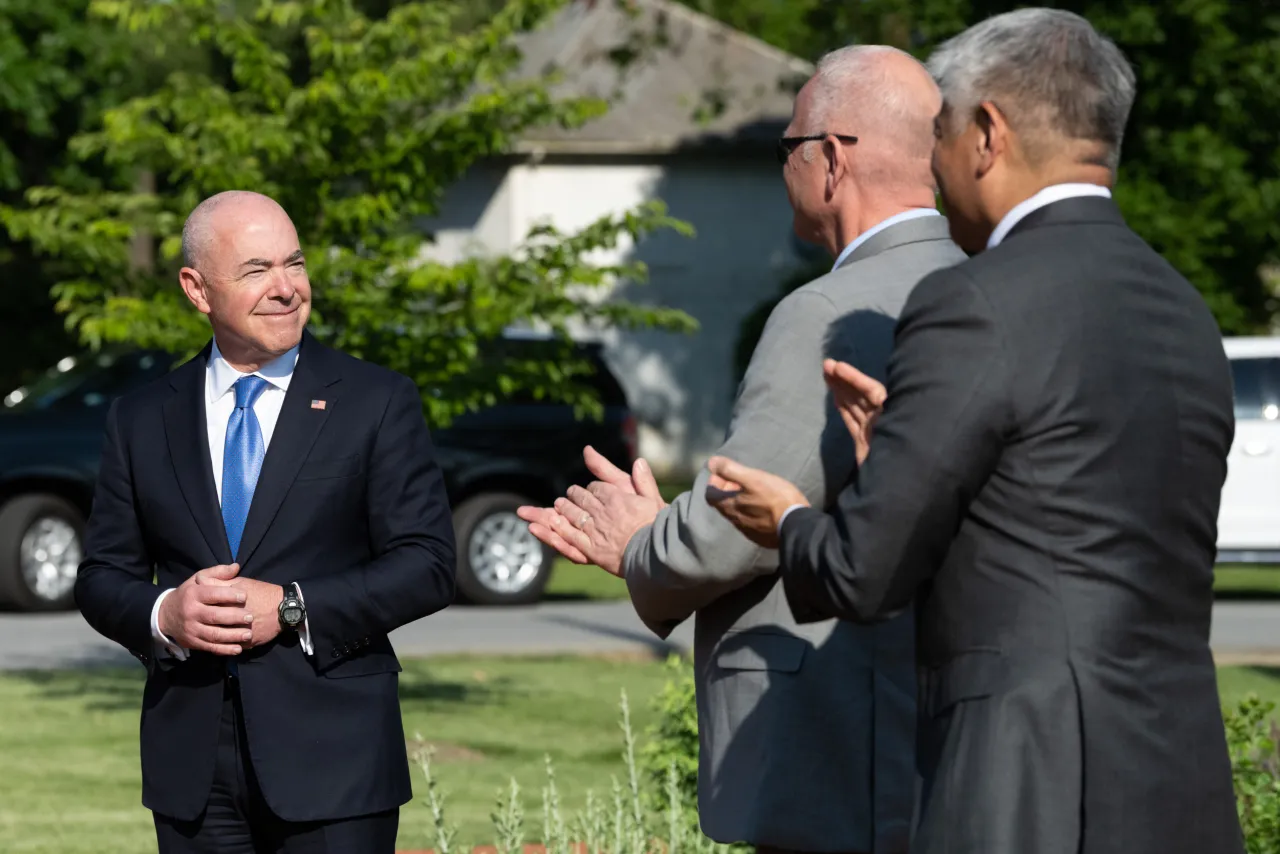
<point x="1049" y="71"/>
<point x="882" y="95"/>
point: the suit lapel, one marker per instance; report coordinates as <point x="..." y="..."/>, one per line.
<point x="295" y="432"/>
<point x="187" y="433"/>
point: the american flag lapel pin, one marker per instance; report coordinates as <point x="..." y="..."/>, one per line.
<point x="317" y="404"/>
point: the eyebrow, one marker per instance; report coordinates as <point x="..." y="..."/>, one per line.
<point x="296" y="255"/>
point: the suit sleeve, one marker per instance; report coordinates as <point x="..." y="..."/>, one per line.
<point x="939" y="438"/>
<point x="412" y="574"/>
<point x="690" y="556"/>
<point x="114" y="588"/>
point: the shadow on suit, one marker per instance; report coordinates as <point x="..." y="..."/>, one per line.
<point x="772" y="658"/>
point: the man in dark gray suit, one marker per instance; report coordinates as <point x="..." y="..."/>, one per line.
<point x="1043" y="482"/>
<point x="806" y="731"/>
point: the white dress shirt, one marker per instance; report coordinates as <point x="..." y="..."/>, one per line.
<point x="219" y="404"/>
<point x="1047" y="196"/>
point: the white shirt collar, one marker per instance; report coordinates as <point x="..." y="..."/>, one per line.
<point x="221" y="376"/>
<point x="881" y="226"/>
<point x="1047" y="196"/>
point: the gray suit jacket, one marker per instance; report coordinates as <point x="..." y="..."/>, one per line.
<point x="806" y="731"/>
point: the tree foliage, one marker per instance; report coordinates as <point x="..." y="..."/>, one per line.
<point x="61" y="69"/>
<point x="356" y="123"/>
<point x="1200" y="176"/>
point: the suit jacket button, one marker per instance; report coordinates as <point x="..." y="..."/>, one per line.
<point x="337" y="654"/>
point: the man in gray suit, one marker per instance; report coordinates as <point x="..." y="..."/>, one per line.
<point x="806" y="730"/>
<point x="1043" y="484"/>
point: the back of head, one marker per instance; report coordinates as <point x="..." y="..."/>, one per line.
<point x="1064" y="89"/>
<point x="885" y="98"/>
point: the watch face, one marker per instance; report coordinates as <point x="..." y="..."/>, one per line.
<point x="292" y="614"/>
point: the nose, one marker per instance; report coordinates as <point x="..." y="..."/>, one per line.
<point x="281" y="287"/>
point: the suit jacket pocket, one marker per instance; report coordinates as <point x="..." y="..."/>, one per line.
<point x="365" y="665"/>
<point x="329" y="469"/>
<point x="970" y="675"/>
<point x="761" y="650"/>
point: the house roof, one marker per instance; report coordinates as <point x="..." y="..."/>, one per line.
<point x="693" y="81"/>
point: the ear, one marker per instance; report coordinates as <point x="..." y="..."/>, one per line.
<point x="993" y="137"/>
<point x="193" y="285"/>
<point x="837" y="164"/>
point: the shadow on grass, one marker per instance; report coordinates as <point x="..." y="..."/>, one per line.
<point x="114" y="689"/>
<point x="417" y="685"/>
<point x="1246" y="595"/>
<point x="100" y="688"/>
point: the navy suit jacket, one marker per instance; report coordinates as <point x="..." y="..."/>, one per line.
<point x="351" y="504"/>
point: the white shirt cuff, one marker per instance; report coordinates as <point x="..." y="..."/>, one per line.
<point x="304" y="631"/>
<point x="785" y="514"/>
<point x="163" y="642"/>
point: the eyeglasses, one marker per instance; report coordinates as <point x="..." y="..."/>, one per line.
<point x="788" y="144"/>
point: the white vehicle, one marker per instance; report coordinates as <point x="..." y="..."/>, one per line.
<point x="1249" y="518"/>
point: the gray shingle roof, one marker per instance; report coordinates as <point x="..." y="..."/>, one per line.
<point x="696" y="82"/>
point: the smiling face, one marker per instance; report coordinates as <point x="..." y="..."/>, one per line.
<point x="251" y="280"/>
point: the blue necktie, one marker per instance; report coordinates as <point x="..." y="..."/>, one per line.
<point x="241" y="459"/>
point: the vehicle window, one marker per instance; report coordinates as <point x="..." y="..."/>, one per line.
<point x="87" y="381"/>
<point x="1257" y="388"/>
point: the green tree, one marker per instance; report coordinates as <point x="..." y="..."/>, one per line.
<point x="356" y="123"/>
<point x="61" y="68"/>
<point x="1200" y="176"/>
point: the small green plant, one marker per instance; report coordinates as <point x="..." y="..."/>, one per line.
<point x="625" y="823"/>
<point x="508" y="821"/>
<point x="1253" y="739"/>
<point x="673" y="739"/>
<point x="445" y="833"/>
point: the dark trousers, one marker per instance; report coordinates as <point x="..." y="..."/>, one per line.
<point x="238" y="820"/>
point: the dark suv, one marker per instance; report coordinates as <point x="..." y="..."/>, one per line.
<point x="518" y="452"/>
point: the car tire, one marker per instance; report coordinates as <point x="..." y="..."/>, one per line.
<point x="46" y="529"/>
<point x="499" y="561"/>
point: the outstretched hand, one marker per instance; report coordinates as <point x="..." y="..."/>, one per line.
<point x="594" y="525"/>
<point x="859" y="399"/>
<point x="753" y="500"/>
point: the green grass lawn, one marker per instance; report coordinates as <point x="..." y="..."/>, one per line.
<point x="69" y="742"/>
<point x="1247" y="582"/>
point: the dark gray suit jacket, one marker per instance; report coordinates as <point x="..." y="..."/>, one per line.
<point x="806" y="732"/>
<point x="1045" y="478"/>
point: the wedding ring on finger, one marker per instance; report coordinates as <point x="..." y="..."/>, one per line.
<point x="583" y="520"/>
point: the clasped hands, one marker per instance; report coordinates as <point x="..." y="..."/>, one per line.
<point x="754" y="500"/>
<point x="217" y="611"/>
<point x="593" y="524"/>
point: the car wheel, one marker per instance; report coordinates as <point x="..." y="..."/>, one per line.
<point x="499" y="561"/>
<point x="41" y="540"/>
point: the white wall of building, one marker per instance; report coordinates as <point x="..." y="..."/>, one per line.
<point x="682" y="387"/>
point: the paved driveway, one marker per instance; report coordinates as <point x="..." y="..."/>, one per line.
<point x="1242" y="631"/>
